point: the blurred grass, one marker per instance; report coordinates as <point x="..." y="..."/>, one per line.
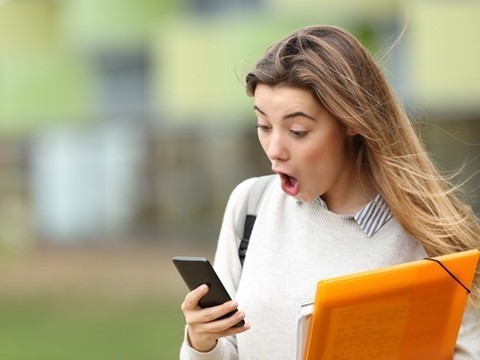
<point x="49" y="329"/>
<point x="92" y="304"/>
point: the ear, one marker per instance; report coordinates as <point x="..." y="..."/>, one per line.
<point x="351" y="132"/>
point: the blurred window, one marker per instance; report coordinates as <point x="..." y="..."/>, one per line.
<point x="123" y="88"/>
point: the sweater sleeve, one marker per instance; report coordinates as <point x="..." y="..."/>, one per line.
<point x="468" y="343"/>
<point x="224" y="349"/>
<point x="228" y="267"/>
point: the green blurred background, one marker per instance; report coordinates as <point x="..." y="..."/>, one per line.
<point x="124" y="125"/>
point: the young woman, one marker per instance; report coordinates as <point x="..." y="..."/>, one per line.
<point x="355" y="191"/>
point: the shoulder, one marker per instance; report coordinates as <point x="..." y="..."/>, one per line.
<point x="241" y="190"/>
<point x="244" y="186"/>
<point x="396" y="237"/>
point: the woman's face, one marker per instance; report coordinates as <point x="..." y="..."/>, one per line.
<point x="307" y="147"/>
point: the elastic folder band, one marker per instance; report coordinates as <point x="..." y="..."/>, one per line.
<point x="449" y="273"/>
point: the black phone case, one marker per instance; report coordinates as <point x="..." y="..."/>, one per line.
<point x="196" y="271"/>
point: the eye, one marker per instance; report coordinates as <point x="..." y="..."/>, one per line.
<point x="298" y="134"/>
<point x="263" y="128"/>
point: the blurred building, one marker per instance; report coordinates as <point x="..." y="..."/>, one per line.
<point x="128" y="119"/>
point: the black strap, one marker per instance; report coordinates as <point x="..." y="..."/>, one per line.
<point x="247" y="231"/>
<point x="450" y="273"/>
<point x="252" y="204"/>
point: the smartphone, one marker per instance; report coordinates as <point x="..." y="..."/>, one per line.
<point x="196" y="271"/>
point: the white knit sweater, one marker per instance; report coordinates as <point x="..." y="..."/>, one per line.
<point x="294" y="245"/>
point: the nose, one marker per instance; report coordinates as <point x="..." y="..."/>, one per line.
<point x="275" y="147"/>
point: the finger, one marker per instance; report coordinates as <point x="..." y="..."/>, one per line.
<point x="213" y="313"/>
<point x="208" y="319"/>
<point x="236" y="320"/>
<point x="193" y="297"/>
<point x="233" y="330"/>
<point x="227" y="326"/>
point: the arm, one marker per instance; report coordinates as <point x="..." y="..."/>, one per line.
<point x="215" y="338"/>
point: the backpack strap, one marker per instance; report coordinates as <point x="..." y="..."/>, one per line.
<point x="254" y="199"/>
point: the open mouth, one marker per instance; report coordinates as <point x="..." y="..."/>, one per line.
<point x="289" y="184"/>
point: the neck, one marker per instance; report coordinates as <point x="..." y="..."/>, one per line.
<point x="350" y="200"/>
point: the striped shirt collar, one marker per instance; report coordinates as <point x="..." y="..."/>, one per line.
<point x="372" y="217"/>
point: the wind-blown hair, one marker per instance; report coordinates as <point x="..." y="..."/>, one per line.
<point x="337" y="69"/>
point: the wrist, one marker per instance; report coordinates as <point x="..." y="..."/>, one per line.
<point x="199" y="345"/>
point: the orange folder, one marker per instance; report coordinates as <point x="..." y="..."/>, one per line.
<point x="407" y="311"/>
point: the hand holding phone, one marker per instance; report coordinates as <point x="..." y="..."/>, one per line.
<point x="197" y="271"/>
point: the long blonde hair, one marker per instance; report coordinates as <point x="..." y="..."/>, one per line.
<point x="337" y="69"/>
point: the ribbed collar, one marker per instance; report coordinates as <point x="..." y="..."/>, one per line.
<point x="372" y="217"/>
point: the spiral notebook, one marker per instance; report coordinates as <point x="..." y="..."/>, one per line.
<point x="408" y="311"/>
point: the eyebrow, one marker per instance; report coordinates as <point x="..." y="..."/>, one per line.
<point x="287" y="116"/>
